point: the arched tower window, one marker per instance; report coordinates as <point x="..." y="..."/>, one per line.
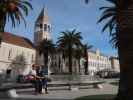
<point x="45" y="27"/>
<point x="49" y="29"/>
<point x="40" y="26"/>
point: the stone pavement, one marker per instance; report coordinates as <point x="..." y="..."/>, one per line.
<point x="66" y="94"/>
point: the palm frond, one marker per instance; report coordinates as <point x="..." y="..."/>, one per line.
<point x="28" y="4"/>
<point x="109" y="25"/>
<point x="105" y="17"/>
<point x="112" y="1"/>
<point x="114" y="40"/>
<point x="111" y="10"/>
<point x="103" y="8"/>
<point x="11" y="16"/>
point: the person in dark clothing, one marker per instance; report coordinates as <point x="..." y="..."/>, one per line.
<point x="43" y="80"/>
<point x="36" y="73"/>
<point x="45" y="85"/>
<point x="8" y="73"/>
<point x="39" y="79"/>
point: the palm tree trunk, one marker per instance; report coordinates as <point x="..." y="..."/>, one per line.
<point x="59" y="64"/>
<point x="2" y="25"/>
<point x="70" y="59"/>
<point x="125" y="50"/>
<point x="45" y="62"/>
<point x="86" y="68"/>
<point x="79" y="65"/>
<point x="86" y="62"/>
<point x="70" y="63"/>
<point x="2" y="22"/>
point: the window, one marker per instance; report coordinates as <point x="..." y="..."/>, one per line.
<point x="75" y="63"/>
<point x="45" y="27"/>
<point x="49" y="28"/>
<point x="32" y="58"/>
<point x="9" y="55"/>
<point x="41" y="26"/>
<point x="37" y="28"/>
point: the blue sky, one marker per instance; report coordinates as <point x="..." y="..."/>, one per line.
<point x="67" y="15"/>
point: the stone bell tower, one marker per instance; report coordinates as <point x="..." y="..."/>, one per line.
<point x="42" y="27"/>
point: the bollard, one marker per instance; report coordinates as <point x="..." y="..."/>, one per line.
<point x="8" y="93"/>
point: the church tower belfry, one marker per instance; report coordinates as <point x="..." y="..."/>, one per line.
<point x="42" y="27"/>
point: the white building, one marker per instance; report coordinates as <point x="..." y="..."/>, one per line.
<point x="16" y="53"/>
<point x="97" y="62"/>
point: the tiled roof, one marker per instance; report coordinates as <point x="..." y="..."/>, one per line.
<point x="17" y="40"/>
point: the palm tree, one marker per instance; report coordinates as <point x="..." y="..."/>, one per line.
<point x="86" y="47"/>
<point x="46" y="47"/>
<point x="123" y="40"/>
<point x="125" y="48"/>
<point x="12" y="9"/>
<point x="69" y="40"/>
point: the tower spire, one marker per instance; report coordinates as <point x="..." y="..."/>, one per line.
<point x="43" y="15"/>
<point x="44" y="9"/>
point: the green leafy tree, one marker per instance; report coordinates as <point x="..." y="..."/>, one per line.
<point x="12" y="10"/>
<point x="18" y="65"/>
<point x="68" y="41"/>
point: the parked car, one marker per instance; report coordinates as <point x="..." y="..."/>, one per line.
<point x="113" y="74"/>
<point x="108" y="74"/>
